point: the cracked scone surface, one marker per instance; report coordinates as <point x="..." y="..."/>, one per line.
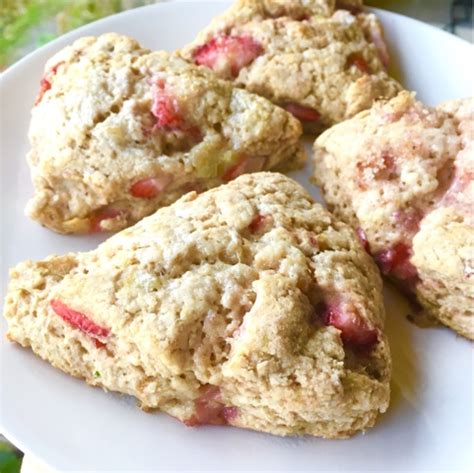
<point x="118" y="131"/>
<point x="402" y="173"/>
<point x="247" y="305"/>
<point x="322" y="66"/>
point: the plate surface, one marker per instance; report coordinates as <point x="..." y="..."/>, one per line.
<point x="71" y="426"/>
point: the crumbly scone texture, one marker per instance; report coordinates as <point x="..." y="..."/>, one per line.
<point x="327" y="64"/>
<point x="119" y="131"/>
<point x="219" y="295"/>
<point x="402" y="173"/>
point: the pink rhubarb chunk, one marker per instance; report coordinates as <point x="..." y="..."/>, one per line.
<point x="150" y="187"/>
<point x="228" y="53"/>
<point x="209" y="409"/>
<point x="363" y="239"/>
<point x="245" y="165"/>
<point x="46" y="82"/>
<point x="305" y="114"/>
<point x="355" y="332"/>
<point x="79" y="320"/>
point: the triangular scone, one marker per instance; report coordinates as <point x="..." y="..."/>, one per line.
<point x="118" y="131"/>
<point x="247" y="305"/>
<point x="322" y="66"/>
<point x="402" y="173"/>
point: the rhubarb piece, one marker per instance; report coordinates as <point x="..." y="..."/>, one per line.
<point x="150" y="187"/>
<point x="401" y="175"/>
<point x="205" y="311"/>
<point x="209" y="409"/>
<point x="46" y="81"/>
<point x="79" y="320"/>
<point x="305" y="114"/>
<point x="127" y="131"/>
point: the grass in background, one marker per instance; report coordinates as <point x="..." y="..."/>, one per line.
<point x="21" y="21"/>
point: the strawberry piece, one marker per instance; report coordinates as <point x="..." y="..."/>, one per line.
<point x="359" y="62"/>
<point x="305" y="114"/>
<point x="209" y="409"/>
<point x="150" y="187"/>
<point x="245" y="165"/>
<point x="166" y="109"/>
<point x="257" y="223"/>
<point x="79" y="320"/>
<point x="363" y="239"/>
<point x="354" y="331"/>
<point x="228" y="54"/>
<point x="95" y="225"/>
<point x="396" y="262"/>
<point x="46" y="82"/>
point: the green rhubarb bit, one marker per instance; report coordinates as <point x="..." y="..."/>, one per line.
<point x="97" y="374"/>
<point x="213" y="159"/>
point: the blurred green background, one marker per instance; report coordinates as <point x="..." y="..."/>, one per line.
<point x="28" y="24"/>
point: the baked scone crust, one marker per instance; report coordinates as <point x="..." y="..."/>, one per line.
<point x="402" y="173"/>
<point x="323" y="65"/>
<point x="221" y="308"/>
<point x="119" y="131"/>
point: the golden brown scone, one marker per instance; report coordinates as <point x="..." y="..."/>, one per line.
<point x="247" y="305"/>
<point x="118" y="131"/>
<point x="402" y="174"/>
<point x="321" y="64"/>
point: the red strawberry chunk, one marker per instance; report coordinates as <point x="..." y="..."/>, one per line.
<point x="46" y="82"/>
<point x="257" y="223"/>
<point x="166" y="109"/>
<point x="396" y="262"/>
<point x="209" y="409"/>
<point x="359" y="62"/>
<point x="79" y="320"/>
<point x="95" y="225"/>
<point x="150" y="187"/>
<point x="305" y="114"/>
<point x="228" y="54"/>
<point x="355" y="332"/>
<point x="363" y="239"/>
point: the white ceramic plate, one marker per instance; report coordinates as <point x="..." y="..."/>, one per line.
<point x="71" y="426"/>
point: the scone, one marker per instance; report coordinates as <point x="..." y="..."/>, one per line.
<point x="118" y="131"/>
<point x="247" y="305"/>
<point x="322" y="65"/>
<point x="402" y="174"/>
